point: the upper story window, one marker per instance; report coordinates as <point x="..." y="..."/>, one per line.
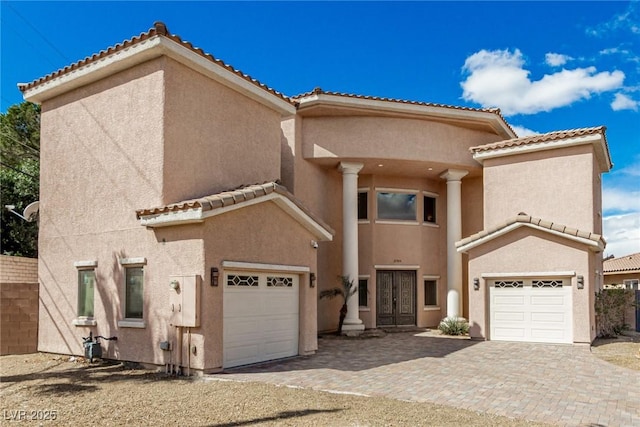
<point x="396" y="206"/>
<point x="429" y="209"/>
<point x="363" y="205"/>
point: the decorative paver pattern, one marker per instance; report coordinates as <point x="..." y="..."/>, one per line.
<point x="560" y="384"/>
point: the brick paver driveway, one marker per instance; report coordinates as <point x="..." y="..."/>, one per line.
<point x="560" y="384"/>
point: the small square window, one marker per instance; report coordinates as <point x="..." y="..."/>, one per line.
<point x="430" y="209"/>
<point x="133" y="303"/>
<point x="430" y="293"/>
<point x="86" y="288"/>
<point x="363" y="205"/>
<point x="363" y="292"/>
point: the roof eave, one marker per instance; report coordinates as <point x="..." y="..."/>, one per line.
<point x="595" y="246"/>
<point x="493" y="119"/>
<point x="602" y="152"/>
<point x="198" y="215"/>
<point x="615" y="272"/>
<point x="143" y="51"/>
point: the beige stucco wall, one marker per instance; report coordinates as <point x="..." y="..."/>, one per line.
<point x="216" y="139"/>
<point x="412" y="139"/>
<point x="546" y="184"/>
<point x="358" y="138"/>
<point x="101" y="153"/>
<point x="260" y="233"/>
<point x="525" y="251"/>
<point x="153" y="134"/>
<point x="59" y="284"/>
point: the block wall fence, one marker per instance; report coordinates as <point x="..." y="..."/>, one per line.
<point x="18" y="305"/>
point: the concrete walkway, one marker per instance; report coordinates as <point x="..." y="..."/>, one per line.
<point x="560" y="384"/>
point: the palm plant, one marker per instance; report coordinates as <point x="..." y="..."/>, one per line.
<point x="346" y="291"/>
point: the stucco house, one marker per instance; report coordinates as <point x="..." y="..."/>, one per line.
<point x="195" y="213"/>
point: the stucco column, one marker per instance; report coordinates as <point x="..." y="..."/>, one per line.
<point x="350" y="171"/>
<point x="454" y="233"/>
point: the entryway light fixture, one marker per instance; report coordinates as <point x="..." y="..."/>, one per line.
<point x="312" y="280"/>
<point x="214" y="276"/>
<point x="476" y="283"/>
<point x="580" y="282"/>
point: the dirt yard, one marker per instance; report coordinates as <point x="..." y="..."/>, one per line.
<point x="45" y="389"/>
<point x="622" y="351"/>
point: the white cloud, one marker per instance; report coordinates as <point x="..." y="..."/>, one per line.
<point x="556" y="59"/>
<point x="625" y="21"/>
<point x="620" y="200"/>
<point x="623" y="102"/>
<point x="622" y="234"/>
<point x="523" y="131"/>
<point x="498" y="79"/>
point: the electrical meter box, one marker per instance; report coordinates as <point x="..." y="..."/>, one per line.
<point x="184" y="300"/>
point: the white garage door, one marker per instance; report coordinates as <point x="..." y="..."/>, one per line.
<point x="534" y="310"/>
<point x="260" y="317"/>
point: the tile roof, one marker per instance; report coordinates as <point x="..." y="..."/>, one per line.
<point x="236" y="196"/>
<point x="541" y="138"/>
<point x="622" y="264"/>
<point x="523" y="218"/>
<point x="159" y="29"/>
<point x="319" y="91"/>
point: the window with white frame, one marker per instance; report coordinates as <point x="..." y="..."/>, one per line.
<point x="134" y="286"/>
<point x="632" y="284"/>
<point x="396" y="206"/>
<point x="86" y="289"/>
<point x="430" y="292"/>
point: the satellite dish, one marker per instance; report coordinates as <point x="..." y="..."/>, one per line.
<point x="31" y="211"/>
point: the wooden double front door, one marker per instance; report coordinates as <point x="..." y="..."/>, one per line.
<point x="396" y="298"/>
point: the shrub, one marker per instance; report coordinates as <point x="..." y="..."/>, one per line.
<point x="454" y="326"/>
<point x="610" y="306"/>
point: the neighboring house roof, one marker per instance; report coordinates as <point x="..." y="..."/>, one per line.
<point x="320" y="96"/>
<point x="595" y="241"/>
<point x="547" y="141"/>
<point x="40" y="89"/>
<point x="197" y="210"/>
<point x="624" y="264"/>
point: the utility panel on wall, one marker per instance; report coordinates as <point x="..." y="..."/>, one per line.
<point x="184" y="300"/>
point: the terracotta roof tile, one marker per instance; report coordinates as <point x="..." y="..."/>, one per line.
<point x="319" y="91"/>
<point x="541" y="138"/>
<point x="159" y="29"/>
<point x="623" y="263"/>
<point x="526" y="219"/>
<point x="235" y="196"/>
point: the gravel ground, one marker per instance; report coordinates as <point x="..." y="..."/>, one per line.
<point x="39" y="387"/>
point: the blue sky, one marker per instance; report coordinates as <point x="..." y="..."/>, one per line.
<point x="547" y="65"/>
